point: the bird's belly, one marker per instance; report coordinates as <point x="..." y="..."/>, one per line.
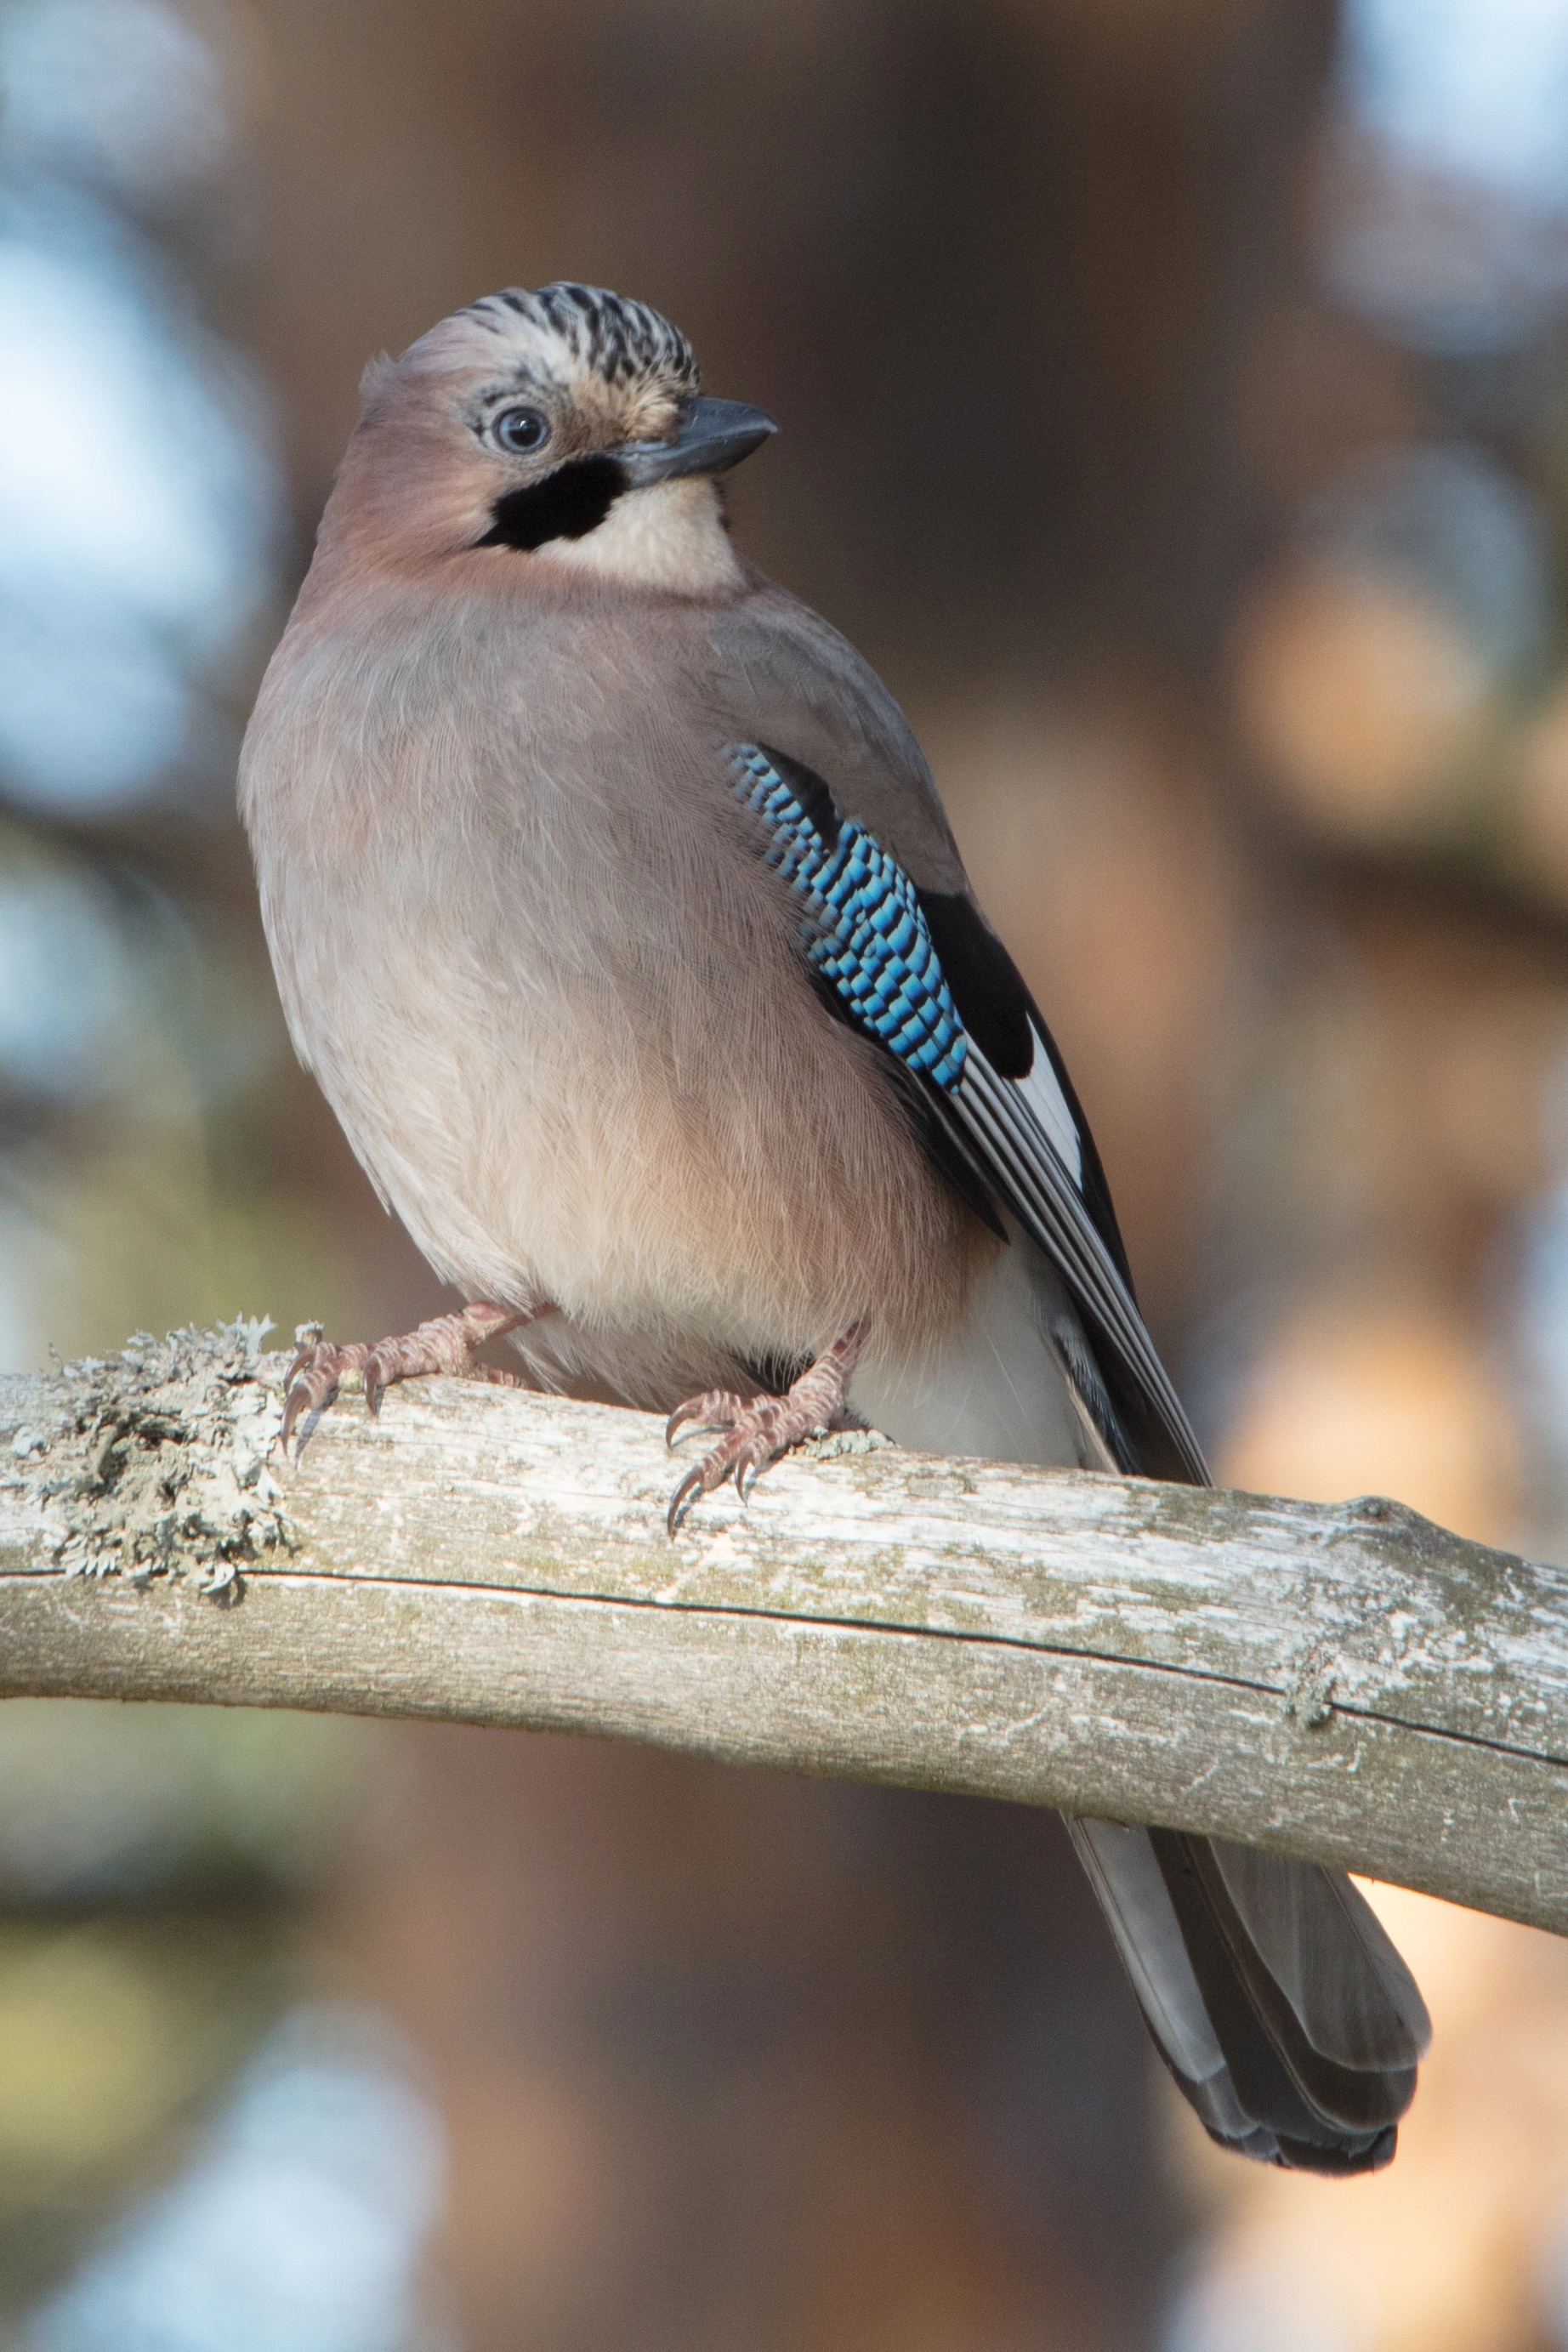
<point x="646" y="1163"/>
<point x="569" y="1034"/>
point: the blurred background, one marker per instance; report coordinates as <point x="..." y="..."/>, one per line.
<point x="1175" y="396"/>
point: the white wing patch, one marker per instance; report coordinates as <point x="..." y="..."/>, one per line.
<point x="1042" y="1090"/>
<point x="1013" y="1146"/>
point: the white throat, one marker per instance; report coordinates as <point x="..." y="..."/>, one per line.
<point x="668" y="536"/>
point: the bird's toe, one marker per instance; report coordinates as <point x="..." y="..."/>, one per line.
<point x="759" y="1430"/>
<point x="445" y="1344"/>
<point x="714" y="1409"/>
<point x="313" y="1381"/>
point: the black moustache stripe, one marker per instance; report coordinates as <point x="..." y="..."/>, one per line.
<point x="568" y="504"/>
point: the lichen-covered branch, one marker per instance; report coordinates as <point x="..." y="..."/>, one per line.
<point x="1343" y="1681"/>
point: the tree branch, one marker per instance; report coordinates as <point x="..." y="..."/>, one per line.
<point x="1346" y="1682"/>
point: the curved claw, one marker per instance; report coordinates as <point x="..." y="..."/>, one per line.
<point x="293" y="1406"/>
<point x="687" y="1412"/>
<point x="307" y="1339"/>
<point x="373" y="1378"/>
<point x="680" y="1500"/>
<point x="751" y="1461"/>
<point x="311" y="1387"/>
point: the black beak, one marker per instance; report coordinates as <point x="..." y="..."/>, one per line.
<point x="714" y="435"/>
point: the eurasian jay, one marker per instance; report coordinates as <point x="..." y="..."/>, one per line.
<point x="613" y="906"/>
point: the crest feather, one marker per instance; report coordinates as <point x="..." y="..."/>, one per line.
<point x="620" y="341"/>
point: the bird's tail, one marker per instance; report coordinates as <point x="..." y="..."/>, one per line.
<point x="1285" y="2014"/>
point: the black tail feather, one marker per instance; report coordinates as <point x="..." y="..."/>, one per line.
<point x="1287" y="2018"/>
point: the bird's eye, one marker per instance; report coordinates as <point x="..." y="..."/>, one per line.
<point x="521" y="431"/>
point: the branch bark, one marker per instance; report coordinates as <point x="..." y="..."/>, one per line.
<point x="1347" y="1683"/>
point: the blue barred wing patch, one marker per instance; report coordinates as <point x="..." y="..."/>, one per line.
<point x="864" y="930"/>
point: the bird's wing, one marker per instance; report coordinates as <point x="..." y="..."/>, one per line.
<point x="817" y="751"/>
<point x="1287" y="2019"/>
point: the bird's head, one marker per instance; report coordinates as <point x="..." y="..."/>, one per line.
<point x="562" y="429"/>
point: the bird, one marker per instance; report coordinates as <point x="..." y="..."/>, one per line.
<point x="614" y="907"/>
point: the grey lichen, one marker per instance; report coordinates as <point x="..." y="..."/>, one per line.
<point x="834" y="1444"/>
<point x="156" y="1465"/>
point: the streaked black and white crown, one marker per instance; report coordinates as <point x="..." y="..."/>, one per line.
<point x="622" y="341"/>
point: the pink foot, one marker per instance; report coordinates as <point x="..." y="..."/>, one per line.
<point x="446" y="1344"/>
<point x="762" y="1428"/>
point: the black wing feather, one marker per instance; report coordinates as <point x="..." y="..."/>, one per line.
<point x="1029" y="1174"/>
<point x="1003" y="1019"/>
<point x="1285" y="2015"/>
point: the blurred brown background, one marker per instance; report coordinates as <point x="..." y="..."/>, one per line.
<point x="1176" y="406"/>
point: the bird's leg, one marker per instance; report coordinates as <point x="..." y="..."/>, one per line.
<point x="762" y="1428"/>
<point x="445" y="1344"/>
